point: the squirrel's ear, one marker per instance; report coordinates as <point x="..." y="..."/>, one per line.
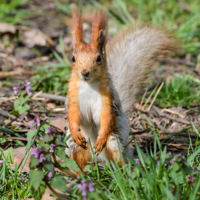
<point x="76" y="28"/>
<point x="99" y="30"/>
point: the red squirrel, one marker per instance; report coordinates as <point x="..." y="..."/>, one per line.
<point x="107" y="77"/>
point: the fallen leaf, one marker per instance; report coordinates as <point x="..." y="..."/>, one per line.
<point x="7" y="28"/>
<point x="18" y="155"/>
<point x="50" y="105"/>
<point x="35" y="37"/>
<point x="60" y="123"/>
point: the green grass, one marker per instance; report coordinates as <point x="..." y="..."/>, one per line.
<point x="181" y="91"/>
<point x="56" y="80"/>
<point x="13" y="184"/>
<point x="181" y="17"/>
<point x="10" y="13"/>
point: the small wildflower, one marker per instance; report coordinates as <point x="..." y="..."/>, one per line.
<point x="31" y="122"/>
<point x="51" y="148"/>
<point x="35" y="153"/>
<point x="27" y="89"/>
<point x="50" y="174"/>
<point x="38" y="121"/>
<point x="84" y="187"/>
<point x="137" y="161"/>
<point x="48" y="130"/>
<point x="1" y="160"/>
<point x="41" y="138"/>
<point x="84" y="198"/>
<point x="158" y="162"/>
<point x="192" y="180"/>
<point x="171" y="162"/>
<point x="91" y="188"/>
<point x="41" y="157"/>
<point x="15" y="90"/>
<point x="46" y="117"/>
<point x="165" y="164"/>
<point x="170" y="153"/>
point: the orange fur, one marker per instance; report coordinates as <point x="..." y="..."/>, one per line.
<point x="76" y="28"/>
<point x="81" y="156"/>
<point x="85" y="61"/>
<point x="107" y="116"/>
<point x="74" y="112"/>
<point x="99" y="23"/>
<point x="110" y="155"/>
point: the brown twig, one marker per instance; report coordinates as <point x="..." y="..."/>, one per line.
<point x="178" y="61"/>
<point x="52" y="96"/>
<point x="16" y="138"/>
<point x="28" y="73"/>
<point x="54" y="192"/>
<point x="13" y="120"/>
<point x="6" y="114"/>
<point x="143" y="98"/>
<point x="150" y="96"/>
<point x="57" y="165"/>
<point x="155" y="96"/>
<point x="183" y="121"/>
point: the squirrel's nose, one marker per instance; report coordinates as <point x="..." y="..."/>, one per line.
<point x="85" y="73"/>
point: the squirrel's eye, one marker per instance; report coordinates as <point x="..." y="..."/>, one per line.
<point x="73" y="59"/>
<point x="98" y="58"/>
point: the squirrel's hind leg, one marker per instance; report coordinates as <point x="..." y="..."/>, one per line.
<point x="81" y="156"/>
<point x="111" y="150"/>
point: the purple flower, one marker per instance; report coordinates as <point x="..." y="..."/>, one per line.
<point x="48" y="130"/>
<point x="137" y="161"/>
<point x="158" y="162"/>
<point x="41" y="157"/>
<point x="85" y="186"/>
<point x="27" y="89"/>
<point x="165" y="164"/>
<point x="1" y="160"/>
<point x="46" y="117"/>
<point x="51" y="148"/>
<point x="192" y="180"/>
<point x="31" y="123"/>
<point x="38" y="121"/>
<point x="15" y="90"/>
<point x="91" y="188"/>
<point x="169" y="153"/>
<point x="35" y="153"/>
<point x="50" y="174"/>
<point x="84" y="198"/>
<point x="171" y="162"/>
<point x="41" y="138"/>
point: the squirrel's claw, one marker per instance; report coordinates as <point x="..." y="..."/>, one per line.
<point x="99" y="145"/>
<point x="80" y="141"/>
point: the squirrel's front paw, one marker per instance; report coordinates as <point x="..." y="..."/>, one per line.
<point x="100" y="144"/>
<point x="80" y="140"/>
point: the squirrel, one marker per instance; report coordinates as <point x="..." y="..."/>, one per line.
<point x="106" y="79"/>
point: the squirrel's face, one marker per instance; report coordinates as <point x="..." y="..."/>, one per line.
<point x="88" y="62"/>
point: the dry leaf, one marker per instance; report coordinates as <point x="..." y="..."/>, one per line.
<point x="50" y="105"/>
<point x="60" y="123"/>
<point x="7" y="28"/>
<point x="36" y="37"/>
<point x="18" y="155"/>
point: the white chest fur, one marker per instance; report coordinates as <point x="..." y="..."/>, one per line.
<point x="90" y="102"/>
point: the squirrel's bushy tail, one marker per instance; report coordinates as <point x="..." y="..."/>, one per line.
<point x="131" y="56"/>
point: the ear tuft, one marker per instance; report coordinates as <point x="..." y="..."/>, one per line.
<point x="99" y="30"/>
<point x="76" y="28"/>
